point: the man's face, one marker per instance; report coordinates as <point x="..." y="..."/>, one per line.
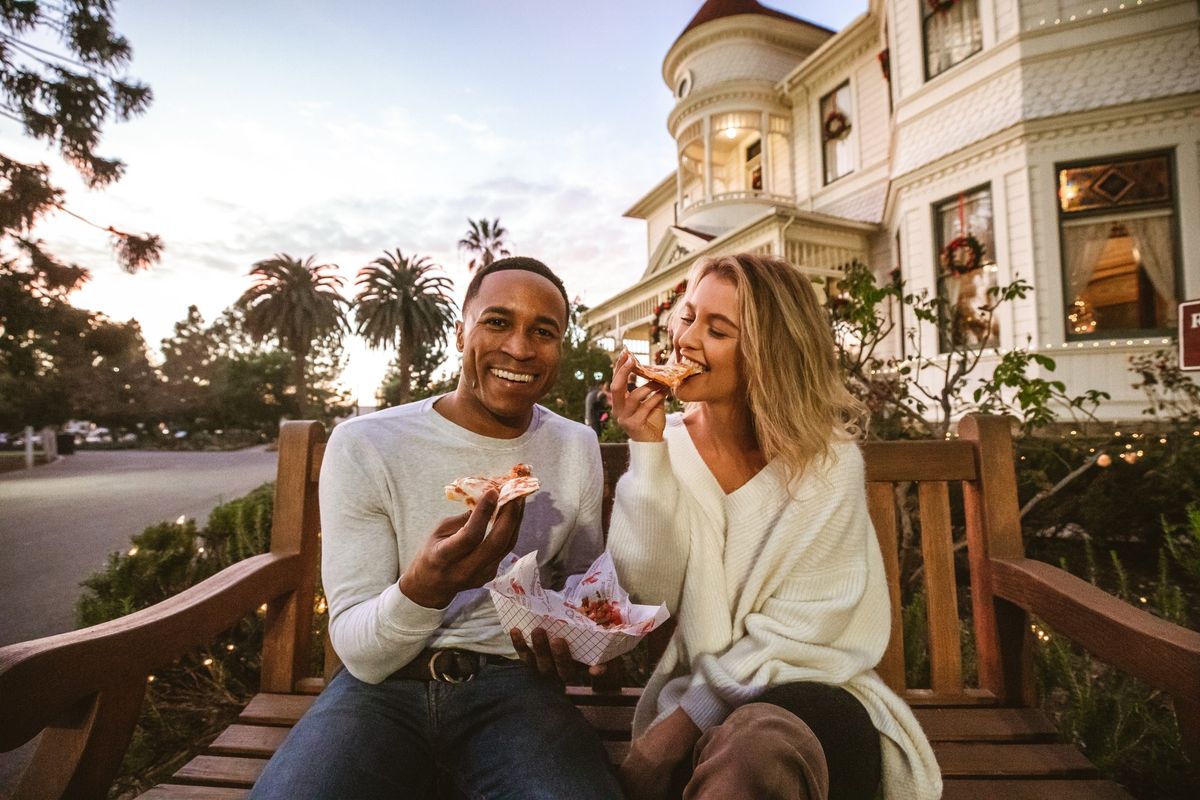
<point x="511" y="341"/>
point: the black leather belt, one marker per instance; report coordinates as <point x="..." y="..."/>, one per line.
<point x="449" y="665"/>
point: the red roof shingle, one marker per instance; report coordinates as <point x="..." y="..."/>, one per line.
<point x="718" y="9"/>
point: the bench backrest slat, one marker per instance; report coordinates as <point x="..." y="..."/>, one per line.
<point x="881" y="501"/>
<point x="941" y="598"/>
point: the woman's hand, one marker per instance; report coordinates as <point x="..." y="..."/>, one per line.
<point x="641" y="411"/>
<point x="653" y="758"/>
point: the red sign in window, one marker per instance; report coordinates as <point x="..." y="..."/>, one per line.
<point x="1189" y="335"/>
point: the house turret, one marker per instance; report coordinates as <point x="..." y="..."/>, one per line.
<point x="731" y="125"/>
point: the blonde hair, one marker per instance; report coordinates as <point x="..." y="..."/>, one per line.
<point x="798" y="401"/>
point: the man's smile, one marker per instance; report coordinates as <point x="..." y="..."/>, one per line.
<point x="509" y="375"/>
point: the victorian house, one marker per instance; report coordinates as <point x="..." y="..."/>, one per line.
<point x="1053" y="141"/>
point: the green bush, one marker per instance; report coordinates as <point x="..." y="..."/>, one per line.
<point x="191" y="700"/>
<point x="1127" y="729"/>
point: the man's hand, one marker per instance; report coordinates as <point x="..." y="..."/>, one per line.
<point x="551" y="657"/>
<point x="639" y="411"/>
<point x="458" y="557"/>
<point x="646" y="772"/>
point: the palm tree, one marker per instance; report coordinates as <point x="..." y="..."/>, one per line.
<point x="402" y="304"/>
<point x="486" y="240"/>
<point x="297" y="302"/>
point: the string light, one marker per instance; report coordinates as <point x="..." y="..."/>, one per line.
<point x="207" y="662"/>
<point x="151" y="679"/>
<point x="133" y="551"/>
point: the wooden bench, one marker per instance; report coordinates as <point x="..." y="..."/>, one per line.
<point x="83" y="690"/>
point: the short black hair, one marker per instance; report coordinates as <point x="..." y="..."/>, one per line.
<point x="522" y="263"/>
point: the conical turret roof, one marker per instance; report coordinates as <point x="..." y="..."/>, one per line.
<point x="718" y="9"/>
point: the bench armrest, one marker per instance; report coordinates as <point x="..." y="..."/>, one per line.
<point x="1163" y="655"/>
<point x="40" y="680"/>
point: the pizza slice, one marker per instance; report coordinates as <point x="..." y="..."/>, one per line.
<point x="672" y="374"/>
<point x="518" y="482"/>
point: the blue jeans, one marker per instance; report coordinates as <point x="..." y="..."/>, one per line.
<point x="509" y="733"/>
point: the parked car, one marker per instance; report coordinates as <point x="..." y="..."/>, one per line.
<point x="99" y="436"/>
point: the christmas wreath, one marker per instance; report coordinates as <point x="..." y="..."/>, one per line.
<point x="964" y="254"/>
<point x="939" y="6"/>
<point x="885" y="63"/>
<point x="836" y="125"/>
<point x="656" y="325"/>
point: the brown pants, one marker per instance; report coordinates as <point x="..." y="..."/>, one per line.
<point x="761" y="751"/>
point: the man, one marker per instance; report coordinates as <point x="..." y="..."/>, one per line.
<point x="594" y="406"/>
<point x="433" y="700"/>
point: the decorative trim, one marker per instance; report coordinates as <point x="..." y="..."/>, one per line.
<point x="741" y="92"/>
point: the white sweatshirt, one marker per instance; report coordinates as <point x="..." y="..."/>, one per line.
<point x="382" y="494"/>
<point x="767" y="588"/>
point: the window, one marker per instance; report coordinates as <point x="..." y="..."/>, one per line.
<point x="952" y="34"/>
<point x="1119" y="252"/>
<point x="754" y="166"/>
<point x="684" y="87"/>
<point x="835" y="133"/>
<point x="963" y="285"/>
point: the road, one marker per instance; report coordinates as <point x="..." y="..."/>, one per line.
<point x="59" y="522"/>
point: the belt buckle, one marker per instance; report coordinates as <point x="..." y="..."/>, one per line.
<point x="445" y="677"/>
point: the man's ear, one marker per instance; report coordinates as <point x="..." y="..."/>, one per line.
<point x="458" y="336"/>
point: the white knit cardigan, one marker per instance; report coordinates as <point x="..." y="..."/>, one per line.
<point x="768" y="588"/>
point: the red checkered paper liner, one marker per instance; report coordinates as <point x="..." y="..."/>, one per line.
<point x="523" y="604"/>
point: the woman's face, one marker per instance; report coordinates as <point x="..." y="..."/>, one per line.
<point x="706" y="331"/>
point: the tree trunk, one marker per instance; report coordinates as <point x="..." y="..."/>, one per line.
<point x="300" y="380"/>
<point x="404" y="365"/>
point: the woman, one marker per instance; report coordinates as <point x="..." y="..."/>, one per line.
<point x="747" y="515"/>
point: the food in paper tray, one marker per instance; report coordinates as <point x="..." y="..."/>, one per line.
<point x="671" y="374"/>
<point x="604" y="613"/>
<point x="592" y="612"/>
<point x="518" y="482"/>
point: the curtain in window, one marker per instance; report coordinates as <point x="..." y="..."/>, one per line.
<point x="952" y="35"/>
<point x="1083" y="245"/>
<point x="1152" y="242"/>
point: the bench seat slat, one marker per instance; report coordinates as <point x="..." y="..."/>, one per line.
<point x="235" y="771"/>
<point x="970" y="789"/>
<point x="276" y="709"/>
<point x="611" y="722"/>
<point x="258" y="741"/>
<point x="175" y="791"/>
<point x="986" y="725"/>
<point x="975" y="759"/>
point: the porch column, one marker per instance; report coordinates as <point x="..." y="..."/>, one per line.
<point x="678" y="185"/>
<point x="707" y="159"/>
<point x="768" y="181"/>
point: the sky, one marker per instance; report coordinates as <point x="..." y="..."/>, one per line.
<point x="341" y="130"/>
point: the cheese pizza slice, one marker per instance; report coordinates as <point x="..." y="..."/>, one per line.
<point x="671" y="374"/>
<point x="518" y="482"/>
